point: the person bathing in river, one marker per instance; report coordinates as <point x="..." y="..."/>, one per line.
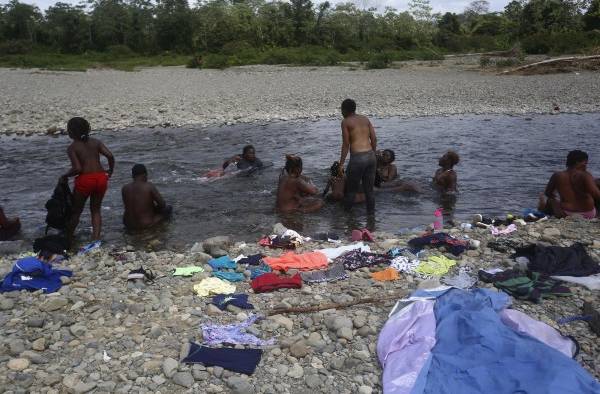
<point x="445" y="179"/>
<point x="334" y="191"/>
<point x="572" y="192"/>
<point x="91" y="178"/>
<point x="144" y="206"/>
<point x="8" y="227"/>
<point x="246" y="161"/>
<point x="295" y="192"/>
<point x="386" y="177"/>
<point x="358" y="137"/>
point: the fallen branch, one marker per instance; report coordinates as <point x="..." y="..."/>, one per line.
<point x="552" y="62"/>
<point x="340" y="305"/>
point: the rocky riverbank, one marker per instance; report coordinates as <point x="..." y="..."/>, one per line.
<point x="100" y="333"/>
<point x="37" y="101"/>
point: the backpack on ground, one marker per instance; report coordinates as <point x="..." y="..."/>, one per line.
<point x="59" y="207"/>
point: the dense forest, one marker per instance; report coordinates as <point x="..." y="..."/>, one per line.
<point x="230" y="32"/>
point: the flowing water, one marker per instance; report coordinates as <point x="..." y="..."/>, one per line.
<point x="505" y="163"/>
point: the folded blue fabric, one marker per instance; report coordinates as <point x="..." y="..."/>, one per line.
<point x="256" y="272"/>
<point x="475" y="352"/>
<point x="236" y="360"/>
<point x="33" y="274"/>
<point x="239" y="300"/>
<point x="222" y="263"/>
<point x="230" y="276"/>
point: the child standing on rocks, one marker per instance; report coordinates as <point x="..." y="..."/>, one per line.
<point x="91" y="179"/>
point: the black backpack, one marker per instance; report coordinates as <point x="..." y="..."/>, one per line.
<point x="59" y="207"/>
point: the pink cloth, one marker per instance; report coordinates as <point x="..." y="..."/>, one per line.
<point x="586" y="215"/>
<point x="510" y="229"/>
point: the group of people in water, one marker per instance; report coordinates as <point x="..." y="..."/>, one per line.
<point x="568" y="193"/>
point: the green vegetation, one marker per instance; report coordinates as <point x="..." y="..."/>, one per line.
<point x="126" y="34"/>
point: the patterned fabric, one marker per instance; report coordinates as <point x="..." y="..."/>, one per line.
<point x="334" y="273"/>
<point x="463" y="280"/>
<point x="357" y="259"/>
<point x="234" y="334"/>
<point x="456" y="246"/>
<point x="406" y="265"/>
<point x="532" y="286"/>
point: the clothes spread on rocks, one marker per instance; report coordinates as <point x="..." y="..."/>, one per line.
<point x="333" y="253"/>
<point x="435" y="266"/>
<point x="237" y="360"/>
<point x="557" y="260"/>
<point x="240" y="300"/>
<point x="334" y="273"/>
<point x="251" y="260"/>
<point x="531" y="286"/>
<point x="505" y="245"/>
<point x="258" y="271"/>
<point x="280" y="242"/>
<point x="462" y="280"/>
<point x="387" y="274"/>
<point x="456" y="246"/>
<point x="187" y="271"/>
<point x="32" y="274"/>
<point x="496" y="231"/>
<point x="210" y="286"/>
<point x="303" y="262"/>
<point x="223" y="262"/>
<point x="458" y="341"/>
<point x="406" y="265"/>
<point x="229" y="276"/>
<point x="357" y="259"/>
<point x="271" y="282"/>
<point x="232" y="334"/>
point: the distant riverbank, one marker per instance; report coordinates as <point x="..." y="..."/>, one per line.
<point x="37" y="101"/>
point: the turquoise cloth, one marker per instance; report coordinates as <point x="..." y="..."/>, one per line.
<point x="230" y="276"/>
<point x="256" y="272"/>
<point x="222" y="263"/>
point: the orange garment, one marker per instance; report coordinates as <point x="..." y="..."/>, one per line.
<point x="303" y="262"/>
<point x="386" y="274"/>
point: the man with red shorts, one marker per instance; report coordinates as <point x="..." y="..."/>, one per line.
<point x="91" y="178"/>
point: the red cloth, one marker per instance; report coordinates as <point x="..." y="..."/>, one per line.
<point x="92" y="184"/>
<point x="304" y="262"/>
<point x="271" y="282"/>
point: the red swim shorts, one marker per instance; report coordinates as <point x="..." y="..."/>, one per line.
<point x="92" y="184"/>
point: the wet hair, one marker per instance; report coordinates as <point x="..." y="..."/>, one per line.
<point x="79" y="127"/>
<point x="349" y="106"/>
<point x="453" y="157"/>
<point x="575" y="157"/>
<point x="292" y="163"/>
<point x="334" y="170"/>
<point x="391" y="153"/>
<point x="138" y="169"/>
<point x="247" y="148"/>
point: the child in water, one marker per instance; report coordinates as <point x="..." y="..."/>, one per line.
<point x="445" y="178"/>
<point x="296" y="193"/>
<point x="91" y="179"/>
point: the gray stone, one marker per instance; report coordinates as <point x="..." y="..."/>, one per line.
<point x="16" y="346"/>
<point x="315" y="340"/>
<point x="34" y="357"/>
<point x="335" y="322"/>
<point x="158" y="380"/>
<point x="365" y="390"/>
<point x="359" y="321"/>
<point x="362" y="355"/>
<point x="54" y="304"/>
<point x="279" y="229"/>
<point x="169" y="367"/>
<point x="12" y="247"/>
<point x="312" y="381"/>
<point x="282" y="321"/>
<point x="78" y="330"/>
<point x="338" y="363"/>
<point x="216" y="246"/>
<point x="239" y="385"/>
<point x="6" y="304"/>
<point x="184" y="379"/>
<point x="39" y="344"/>
<point x="35" y="322"/>
<point x="299" y="349"/>
<point x="551" y="232"/>
<point x="218" y="371"/>
<point x="82" y="387"/>
<point x="296" y="372"/>
<point x="345" y="332"/>
<point x="18" y="364"/>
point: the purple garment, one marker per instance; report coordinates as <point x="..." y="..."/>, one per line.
<point x="524" y="324"/>
<point x="234" y="334"/>
<point x="405" y="344"/>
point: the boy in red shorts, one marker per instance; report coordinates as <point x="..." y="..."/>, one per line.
<point x="91" y="178"/>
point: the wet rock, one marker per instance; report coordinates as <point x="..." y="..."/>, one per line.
<point x="217" y="246"/>
<point x="18" y="364"/>
<point x="12" y="247"/>
<point x="184" y="379"/>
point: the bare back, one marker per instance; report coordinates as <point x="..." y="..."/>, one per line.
<point x="360" y="133"/>
<point x="291" y="193"/>
<point x="86" y="155"/>
<point x="572" y="189"/>
<point x="141" y="201"/>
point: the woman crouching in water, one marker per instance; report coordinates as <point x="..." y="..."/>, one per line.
<point x="295" y="192"/>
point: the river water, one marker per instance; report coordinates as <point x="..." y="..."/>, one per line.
<point x="505" y="163"/>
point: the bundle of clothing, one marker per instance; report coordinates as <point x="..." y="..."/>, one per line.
<point x="31" y="273"/>
<point x="454" y="245"/>
<point x="468" y="341"/>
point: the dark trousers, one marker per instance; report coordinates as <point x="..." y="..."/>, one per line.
<point x="361" y="170"/>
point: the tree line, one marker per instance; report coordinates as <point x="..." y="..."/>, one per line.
<point x="237" y="27"/>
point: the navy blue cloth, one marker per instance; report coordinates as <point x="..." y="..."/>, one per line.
<point x="236" y="360"/>
<point x="251" y="260"/>
<point x="32" y="274"/>
<point x="239" y="300"/>
<point x="476" y="353"/>
<point x="456" y="246"/>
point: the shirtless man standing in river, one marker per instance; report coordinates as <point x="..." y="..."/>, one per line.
<point x="144" y="206"/>
<point x="358" y="137"/>
<point x="576" y="188"/>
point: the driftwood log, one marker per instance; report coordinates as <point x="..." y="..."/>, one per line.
<point x="561" y="61"/>
<point x="340" y="305"/>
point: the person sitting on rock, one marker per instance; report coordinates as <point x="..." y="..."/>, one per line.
<point x="386" y="176"/>
<point x="295" y="192"/>
<point x="445" y="179"/>
<point x="572" y="192"/>
<point x="8" y="227"/>
<point x="247" y="160"/>
<point x="144" y="206"/>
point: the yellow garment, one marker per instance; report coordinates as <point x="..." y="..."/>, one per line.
<point x="213" y="286"/>
<point x="386" y="274"/>
<point x="435" y="266"/>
